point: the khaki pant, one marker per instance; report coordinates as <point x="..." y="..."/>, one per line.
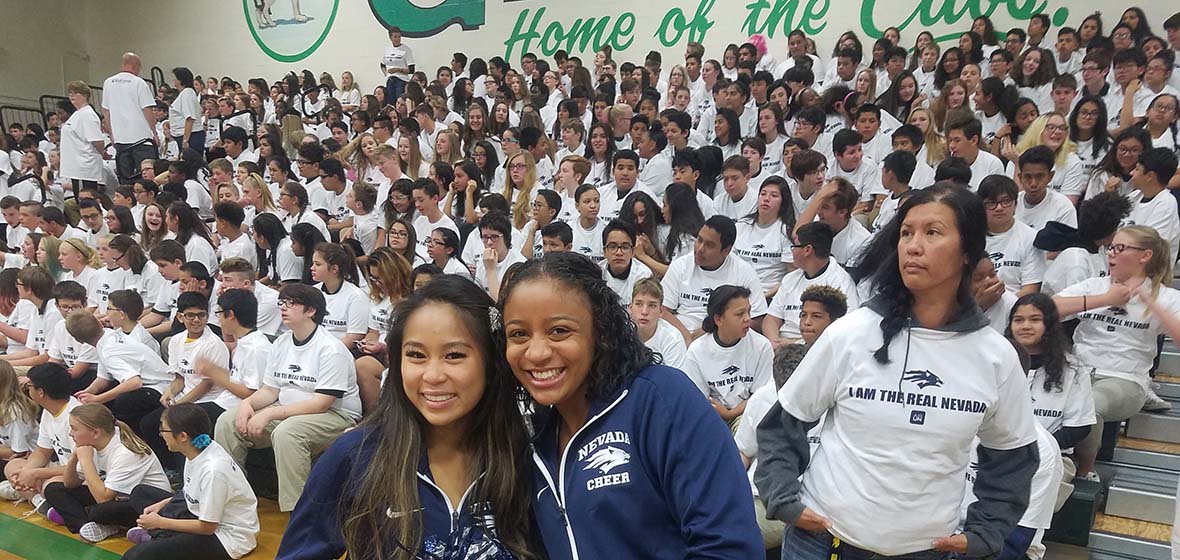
<point x="772" y="529"/>
<point x="295" y="441"/>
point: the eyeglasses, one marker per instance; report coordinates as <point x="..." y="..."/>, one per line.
<point x="396" y="234"/>
<point x="1165" y="109"/>
<point x="1120" y="247"/>
<point x="1056" y="127"/>
<point x="491" y="237"/>
<point x="1122" y="35"/>
<point x="1125" y="151"/>
<point x="195" y="316"/>
<point x="616" y="247"/>
<point x="517" y="166"/>
<point x="67" y="309"/>
<point x="287" y="303"/>
<point x="1090" y="114"/>
<point x="1003" y="203"/>
<point x="302" y="162"/>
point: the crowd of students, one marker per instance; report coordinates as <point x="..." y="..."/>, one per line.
<point x="500" y="294"/>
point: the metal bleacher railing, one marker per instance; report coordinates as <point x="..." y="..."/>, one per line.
<point x="16" y="114"/>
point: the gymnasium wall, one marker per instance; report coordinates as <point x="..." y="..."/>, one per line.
<point x="44" y="43"/>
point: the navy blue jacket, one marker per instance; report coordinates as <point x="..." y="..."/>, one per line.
<point x="654" y="473"/>
<point x="314" y="531"/>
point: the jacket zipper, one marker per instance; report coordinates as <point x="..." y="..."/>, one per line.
<point x="454" y="513"/>
<point x="559" y="491"/>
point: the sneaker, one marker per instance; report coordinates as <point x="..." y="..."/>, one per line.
<point x="40" y="504"/>
<point x="8" y="493"/>
<point x="1091" y="476"/>
<point x="95" y="532"/>
<point x="55" y="517"/>
<point x="1154" y="403"/>
<point x="138" y="535"/>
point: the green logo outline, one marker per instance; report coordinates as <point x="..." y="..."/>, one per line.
<point x="418" y="22"/>
<point x="288" y="57"/>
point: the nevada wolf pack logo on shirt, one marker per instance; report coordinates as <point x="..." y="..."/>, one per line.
<point x="923" y="378"/>
<point x="607" y="454"/>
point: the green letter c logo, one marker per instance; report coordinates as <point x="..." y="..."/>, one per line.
<point x="416" y="21"/>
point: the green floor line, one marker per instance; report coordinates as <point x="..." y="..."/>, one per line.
<point x="31" y="542"/>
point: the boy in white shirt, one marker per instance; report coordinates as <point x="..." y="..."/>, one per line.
<point x="834" y="205"/>
<point x="234" y="243"/>
<point x="366" y="225"/>
<point x="80" y="360"/>
<point x="430" y="217"/>
<point x="1010" y="242"/>
<point x="962" y="141"/>
<point x="1038" y="204"/>
<point x="655" y="332"/>
<point x="131" y="377"/>
<point x="738" y="199"/>
<point x="1151" y="205"/>
<point x="620" y="268"/>
<point x="308" y="395"/>
<point x="124" y="307"/>
<point x="331" y="200"/>
<point x="496" y="233"/>
<point x="812" y="256"/>
<point x="49" y="387"/>
<point x="861" y="172"/>
<point x="35" y="285"/>
<point x="730" y="362"/>
<point x="168" y="256"/>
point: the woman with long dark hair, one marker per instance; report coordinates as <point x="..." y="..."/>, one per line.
<point x="764" y="236"/>
<point x="333" y="267"/>
<point x="682" y="220"/>
<point x="1114" y="172"/>
<point x="464" y="193"/>
<point x="389" y="284"/>
<point x="436" y="470"/>
<point x="600" y="150"/>
<point x="641" y="212"/>
<point x="949" y="67"/>
<point x="279" y="264"/>
<point x="728" y="130"/>
<point x="304" y="239"/>
<point x="190" y="231"/>
<point x="1087" y="130"/>
<point x="901" y="96"/>
<point x="605" y="415"/>
<point x="894" y="349"/>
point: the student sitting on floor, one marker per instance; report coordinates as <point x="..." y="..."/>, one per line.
<point x="308" y="396"/>
<point x="215" y="515"/>
<point x="109" y="461"/>
<point x="49" y="387"/>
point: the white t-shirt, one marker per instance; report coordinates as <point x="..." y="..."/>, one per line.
<point x="125" y="96"/>
<point x="364" y="230"/>
<point x="669" y="343"/>
<point x="398" y="57"/>
<point x="1072" y="266"/>
<point x="19" y="435"/>
<point x="1056" y="207"/>
<point x="481" y="273"/>
<point x="320" y="364"/>
<point x="147" y="283"/>
<point x="121" y="357"/>
<point x="103" y="281"/>
<point x="985" y="165"/>
<point x="197" y="196"/>
<point x="624" y="286"/>
<point x="907" y="429"/>
<point x="866" y="177"/>
<point x="142" y="335"/>
<point x="166" y="300"/>
<point x="121" y="470"/>
<point x="729" y="374"/>
<point x="746" y="436"/>
<point x="216" y="491"/>
<point x="1118" y="341"/>
<point x="288" y="265"/>
<point x="41" y="326"/>
<point x="847" y="243"/>
<point x="22" y="318"/>
<point x="610" y="203"/>
<point x="79" y="159"/>
<point x="786" y="304"/>
<point x="1045" y="482"/>
<point x="737" y="209"/>
<point x="242" y="247"/>
<point x="381" y="317"/>
<point x="1017" y="262"/>
<point x="186" y="106"/>
<point x="247" y="366"/>
<point x="687" y="287"/>
<point x="766" y="248"/>
<point x="54" y="432"/>
<point x="183" y="355"/>
<point x="1070" y="405"/>
<point x="423" y="227"/>
<point x="1160" y="213"/>
<point x="336" y="205"/>
<point x="998" y="313"/>
<point x="588" y="242"/>
<point x="346" y="310"/>
<point x="199" y="249"/>
<point x="64" y="347"/>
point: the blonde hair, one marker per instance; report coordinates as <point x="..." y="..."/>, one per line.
<point x="932" y="139"/>
<point x="268" y="204"/>
<point x="15" y="405"/>
<point x="88" y="254"/>
<point x="354" y="154"/>
<point x="1159" y="268"/>
<point x="870" y="95"/>
<point x="1032" y="137"/>
<point x="100" y="418"/>
<point x="524" y="199"/>
<point x="232" y="188"/>
<point x="455" y="154"/>
<point x="292" y="127"/>
<point x="413" y="166"/>
<point x="78" y="86"/>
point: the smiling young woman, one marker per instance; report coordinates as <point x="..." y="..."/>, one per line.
<point x="614" y="431"/>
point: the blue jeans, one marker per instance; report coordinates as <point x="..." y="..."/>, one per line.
<point x="394" y="88"/>
<point x="805" y="545"/>
<point x="1017" y="543"/>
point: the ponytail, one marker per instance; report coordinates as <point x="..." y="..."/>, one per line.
<point x="132" y="441"/>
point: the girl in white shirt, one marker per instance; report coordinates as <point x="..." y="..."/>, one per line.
<point x="730" y="361"/>
<point x="18" y="418"/>
<point x="763" y="237"/>
<point x="215" y="515"/>
<point x="1121" y="316"/>
<point x="334" y="268"/>
<point x="108" y="462"/>
<point x="80" y="263"/>
<point x="389" y="283"/>
<point x="191" y="232"/>
<point x="444" y="249"/>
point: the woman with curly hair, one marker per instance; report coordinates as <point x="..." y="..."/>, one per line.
<point x="606" y="414"/>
